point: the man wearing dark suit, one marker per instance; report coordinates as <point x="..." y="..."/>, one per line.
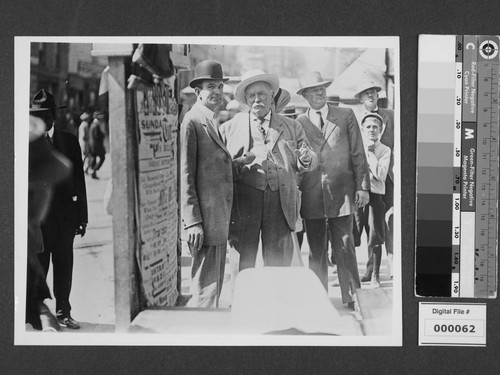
<point x="339" y="185"/>
<point x="206" y="186"/>
<point x="367" y="94"/>
<point x="67" y="215"/>
<point x="266" y="202"/>
<point x="46" y="167"/>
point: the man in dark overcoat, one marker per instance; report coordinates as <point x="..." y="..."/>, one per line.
<point x="67" y="215"/>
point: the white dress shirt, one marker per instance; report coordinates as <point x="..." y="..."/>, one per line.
<point x="314" y="116"/>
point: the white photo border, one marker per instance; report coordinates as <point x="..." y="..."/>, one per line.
<point x="21" y="119"/>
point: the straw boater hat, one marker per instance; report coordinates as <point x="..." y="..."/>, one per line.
<point x="100" y="115"/>
<point x="253" y="76"/>
<point x="290" y="111"/>
<point x="209" y="70"/>
<point x="365" y="86"/>
<point x="85" y="116"/>
<point x="312" y="79"/>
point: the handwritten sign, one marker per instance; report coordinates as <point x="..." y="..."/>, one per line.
<point x="157" y="187"/>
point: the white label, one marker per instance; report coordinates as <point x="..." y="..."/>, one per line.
<point x="452" y="324"/>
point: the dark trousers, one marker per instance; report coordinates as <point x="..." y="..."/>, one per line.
<point x="207" y="273"/>
<point x="95" y="165"/>
<point x="371" y="219"/>
<point x="58" y="245"/>
<point x="340" y="229"/>
<point x="36" y="286"/>
<point x="257" y="214"/>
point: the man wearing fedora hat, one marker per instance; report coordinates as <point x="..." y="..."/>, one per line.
<point x="367" y="94"/>
<point x="266" y="202"/>
<point x="340" y="184"/>
<point x="206" y="186"/>
<point x="67" y="215"/>
<point x="46" y="168"/>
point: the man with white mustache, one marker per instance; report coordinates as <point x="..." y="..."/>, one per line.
<point x="266" y="197"/>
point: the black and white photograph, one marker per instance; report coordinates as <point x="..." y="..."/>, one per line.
<point x="207" y="191"/>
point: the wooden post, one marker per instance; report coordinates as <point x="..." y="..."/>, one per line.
<point x="123" y="157"/>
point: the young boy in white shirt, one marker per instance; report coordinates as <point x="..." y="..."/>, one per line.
<point x="379" y="157"/>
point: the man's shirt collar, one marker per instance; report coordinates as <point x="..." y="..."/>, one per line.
<point x="209" y="114"/>
<point x="323" y="110"/>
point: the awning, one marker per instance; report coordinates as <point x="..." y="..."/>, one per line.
<point x="370" y="66"/>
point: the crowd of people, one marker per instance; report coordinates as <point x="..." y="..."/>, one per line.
<point x="266" y="174"/>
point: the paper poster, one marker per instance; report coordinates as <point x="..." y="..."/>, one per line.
<point x="157" y="186"/>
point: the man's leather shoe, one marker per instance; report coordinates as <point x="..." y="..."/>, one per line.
<point x="67" y="321"/>
<point x="366" y="277"/>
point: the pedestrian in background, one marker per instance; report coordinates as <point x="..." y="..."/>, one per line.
<point x="70" y="123"/>
<point x="83" y="139"/>
<point x="67" y="215"/>
<point x="96" y="143"/>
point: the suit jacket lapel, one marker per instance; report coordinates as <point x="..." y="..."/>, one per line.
<point x="312" y="132"/>
<point x="275" y="130"/>
<point x="329" y="128"/>
<point x="208" y="125"/>
<point x="330" y="124"/>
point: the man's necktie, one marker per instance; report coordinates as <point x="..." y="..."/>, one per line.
<point x="321" y="122"/>
<point x="260" y="121"/>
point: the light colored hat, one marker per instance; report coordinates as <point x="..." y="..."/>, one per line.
<point x="290" y="111"/>
<point x="100" y="115"/>
<point x="282" y="98"/>
<point x="253" y="76"/>
<point x="312" y="79"/>
<point x="85" y="116"/>
<point x="365" y="86"/>
<point x="372" y="115"/>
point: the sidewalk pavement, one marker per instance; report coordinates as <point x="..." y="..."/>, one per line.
<point x="93" y="291"/>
